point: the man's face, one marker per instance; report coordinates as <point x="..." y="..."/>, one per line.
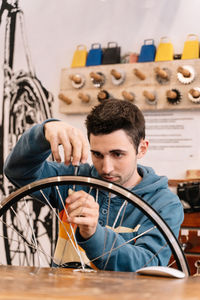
<point x="114" y="158"/>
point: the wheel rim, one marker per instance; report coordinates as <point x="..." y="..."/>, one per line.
<point x="110" y="187"/>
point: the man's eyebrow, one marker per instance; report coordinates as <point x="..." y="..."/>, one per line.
<point x="111" y="151"/>
<point x="94" y="151"/>
<point x="118" y="150"/>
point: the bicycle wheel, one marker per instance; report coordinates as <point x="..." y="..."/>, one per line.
<point x="97" y="184"/>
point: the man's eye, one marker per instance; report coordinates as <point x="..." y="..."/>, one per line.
<point x="117" y="154"/>
<point x="97" y="154"/>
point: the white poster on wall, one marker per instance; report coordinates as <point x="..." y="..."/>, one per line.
<point x="174" y="141"/>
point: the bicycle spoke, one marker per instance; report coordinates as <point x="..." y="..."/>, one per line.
<point x="33" y="233"/>
<point x="125" y="243"/>
<point x="123" y="206"/>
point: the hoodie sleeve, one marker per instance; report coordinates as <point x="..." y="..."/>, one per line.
<point x="118" y="254"/>
<point x="28" y="162"/>
<point x="25" y="162"/>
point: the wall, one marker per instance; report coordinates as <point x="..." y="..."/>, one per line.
<point x="55" y="28"/>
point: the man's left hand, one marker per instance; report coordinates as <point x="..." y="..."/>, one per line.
<point x="84" y="212"/>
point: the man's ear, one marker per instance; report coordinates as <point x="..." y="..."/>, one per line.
<point x="142" y="149"/>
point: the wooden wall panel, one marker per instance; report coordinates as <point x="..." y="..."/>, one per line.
<point x="152" y="83"/>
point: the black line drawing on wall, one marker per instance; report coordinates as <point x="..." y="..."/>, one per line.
<point x="25" y="102"/>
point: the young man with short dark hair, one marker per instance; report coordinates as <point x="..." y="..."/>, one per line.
<point x="116" y="133"/>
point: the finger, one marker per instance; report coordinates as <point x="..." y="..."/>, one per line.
<point x="82" y="203"/>
<point x="76" y="151"/>
<point x="79" y="211"/>
<point x="85" y="151"/>
<point x="67" y="148"/>
<point x="88" y="221"/>
<point x="83" y="212"/>
<point x="79" y="195"/>
<point x="55" y="149"/>
<point x="78" y="142"/>
<point x="52" y="138"/>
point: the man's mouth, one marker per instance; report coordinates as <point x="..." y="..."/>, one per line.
<point x="109" y="178"/>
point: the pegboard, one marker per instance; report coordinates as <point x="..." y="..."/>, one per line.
<point x="169" y="85"/>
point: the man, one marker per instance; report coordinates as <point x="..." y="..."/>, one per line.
<point x="116" y="133"/>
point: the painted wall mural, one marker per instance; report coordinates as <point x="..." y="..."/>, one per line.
<point x="25" y="102"/>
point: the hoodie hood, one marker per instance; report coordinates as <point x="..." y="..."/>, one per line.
<point x="150" y="181"/>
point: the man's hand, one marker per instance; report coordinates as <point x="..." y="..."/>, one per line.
<point x="72" y="139"/>
<point x="84" y="212"/>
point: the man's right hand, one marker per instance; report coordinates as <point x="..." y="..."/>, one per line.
<point x="73" y="141"/>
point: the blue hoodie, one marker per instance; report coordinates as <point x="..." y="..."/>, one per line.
<point x="27" y="163"/>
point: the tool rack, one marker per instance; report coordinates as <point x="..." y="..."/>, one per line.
<point x="152" y="86"/>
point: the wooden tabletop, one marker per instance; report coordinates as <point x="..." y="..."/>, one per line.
<point x="31" y="283"/>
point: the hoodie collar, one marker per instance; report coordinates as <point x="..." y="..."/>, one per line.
<point x="149" y="183"/>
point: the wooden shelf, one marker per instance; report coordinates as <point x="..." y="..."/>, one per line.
<point x="175" y="182"/>
<point x="132" y="84"/>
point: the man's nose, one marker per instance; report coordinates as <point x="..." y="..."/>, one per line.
<point x="107" y="165"/>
